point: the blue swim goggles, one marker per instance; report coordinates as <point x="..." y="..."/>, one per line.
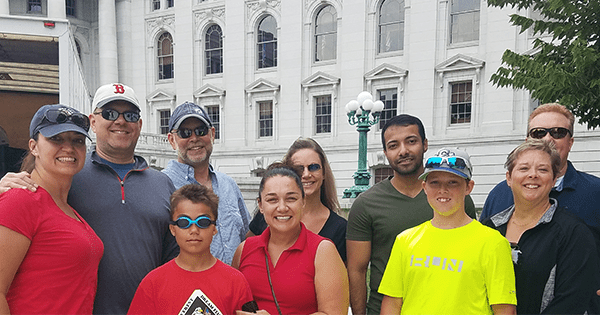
<point x="185" y="222"/>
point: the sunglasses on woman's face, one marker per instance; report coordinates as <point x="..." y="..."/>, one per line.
<point x="555" y="132"/>
<point x="202" y="222"/>
<point x="311" y="167"/>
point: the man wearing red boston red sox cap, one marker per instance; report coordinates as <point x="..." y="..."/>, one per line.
<point x="122" y="199"/>
<point x="113" y="92"/>
<point x="192" y="135"/>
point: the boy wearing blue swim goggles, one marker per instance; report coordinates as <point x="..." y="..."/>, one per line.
<point x="195" y="277"/>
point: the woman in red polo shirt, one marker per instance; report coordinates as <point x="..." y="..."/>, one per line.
<point x="291" y="270"/>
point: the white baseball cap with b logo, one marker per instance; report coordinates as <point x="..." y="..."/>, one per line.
<point x="114" y="92"/>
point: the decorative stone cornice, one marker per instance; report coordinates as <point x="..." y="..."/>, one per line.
<point x="158" y="23"/>
<point x="209" y="14"/>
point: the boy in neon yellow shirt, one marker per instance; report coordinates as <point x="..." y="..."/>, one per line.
<point x="451" y="264"/>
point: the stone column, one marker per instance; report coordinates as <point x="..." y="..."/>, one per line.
<point x="57" y="9"/>
<point x="107" y="42"/>
<point x="124" y="41"/>
<point x="4" y="7"/>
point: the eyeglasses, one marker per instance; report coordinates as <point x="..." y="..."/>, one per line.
<point x="202" y="222"/>
<point x="311" y="167"/>
<point x="186" y="133"/>
<point x="453" y="162"/>
<point x="112" y="115"/>
<point x="556" y="132"/>
<point x="60" y="116"/>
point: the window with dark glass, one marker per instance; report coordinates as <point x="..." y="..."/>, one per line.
<point x="213" y="49"/>
<point x="70" y="7"/>
<point x="267" y="42"/>
<point x="170" y="3"/>
<point x="389" y="97"/>
<point x="460" y="102"/>
<point x="215" y="117"/>
<point x="382" y="173"/>
<point x="391" y="26"/>
<point x="323" y="114"/>
<point x="326" y="34"/>
<point x="164" y="116"/>
<point x="464" y="20"/>
<point x="265" y="119"/>
<point x="155" y="5"/>
<point x="34" y="6"/>
<point x="165" y="56"/>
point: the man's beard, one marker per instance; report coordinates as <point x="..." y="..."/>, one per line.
<point x="196" y="161"/>
<point x="411" y="170"/>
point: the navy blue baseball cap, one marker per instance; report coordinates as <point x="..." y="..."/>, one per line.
<point x="185" y="111"/>
<point x="51" y="120"/>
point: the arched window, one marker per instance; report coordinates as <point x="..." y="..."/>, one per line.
<point x="213" y="49"/>
<point x="267" y="42"/>
<point x="391" y="26"/>
<point x="326" y="34"/>
<point x="165" y="56"/>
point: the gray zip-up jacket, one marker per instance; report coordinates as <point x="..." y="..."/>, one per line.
<point x="131" y="216"/>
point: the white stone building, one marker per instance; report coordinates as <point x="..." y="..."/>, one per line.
<point x="270" y="71"/>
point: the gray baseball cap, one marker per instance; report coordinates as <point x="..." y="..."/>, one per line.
<point x="453" y="161"/>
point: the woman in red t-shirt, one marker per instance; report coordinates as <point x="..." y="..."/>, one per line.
<point x="50" y="255"/>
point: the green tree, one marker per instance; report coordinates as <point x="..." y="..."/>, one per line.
<point x="565" y="69"/>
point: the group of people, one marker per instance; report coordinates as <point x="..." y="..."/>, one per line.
<point x="546" y="213"/>
<point x="103" y="233"/>
<point x="186" y="222"/>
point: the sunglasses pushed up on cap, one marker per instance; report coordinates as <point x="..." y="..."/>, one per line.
<point x="185" y="222"/>
<point x="59" y="116"/>
<point x="555" y="132"/>
<point x="456" y="162"/>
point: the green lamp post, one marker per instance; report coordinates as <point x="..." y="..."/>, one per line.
<point x="363" y="113"/>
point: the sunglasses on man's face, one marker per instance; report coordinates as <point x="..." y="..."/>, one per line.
<point x="202" y="222"/>
<point x="58" y="116"/>
<point x="555" y="132"/>
<point x="112" y="115"/>
<point x="185" y="133"/>
<point x="453" y="162"/>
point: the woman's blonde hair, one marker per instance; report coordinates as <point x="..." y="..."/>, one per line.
<point x="535" y="144"/>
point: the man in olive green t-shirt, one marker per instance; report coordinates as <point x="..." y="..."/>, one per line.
<point x="391" y="206"/>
